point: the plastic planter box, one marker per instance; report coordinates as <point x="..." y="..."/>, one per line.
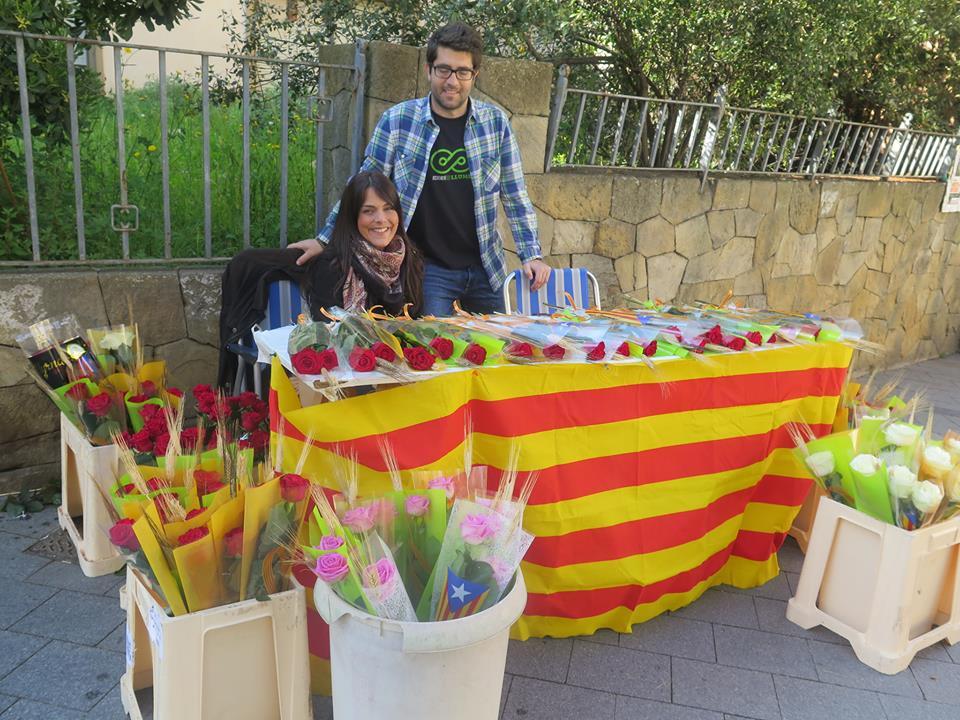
<point x="84" y="468"/>
<point x="244" y="661"/>
<point x="889" y="592"/>
<point x="803" y="523"/>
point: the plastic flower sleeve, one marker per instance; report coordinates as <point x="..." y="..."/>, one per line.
<point x="870" y="478"/>
<point x="162" y="570"/>
<point x="198" y="569"/>
<point x="838" y="482"/>
<point x="227" y="519"/>
<point x="383" y="586"/>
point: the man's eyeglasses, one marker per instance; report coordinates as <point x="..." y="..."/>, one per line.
<point x="445" y="71"/>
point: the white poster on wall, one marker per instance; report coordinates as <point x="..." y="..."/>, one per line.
<point x="951" y="196"/>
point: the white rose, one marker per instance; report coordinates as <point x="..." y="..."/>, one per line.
<point x="901" y="435"/>
<point x="952" y="445"/>
<point x="937" y="459"/>
<point x="927" y="496"/>
<point x="865" y="464"/>
<point x="821" y="463"/>
<point x="901" y="481"/>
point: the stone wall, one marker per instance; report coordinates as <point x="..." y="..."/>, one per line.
<point x="178" y="313"/>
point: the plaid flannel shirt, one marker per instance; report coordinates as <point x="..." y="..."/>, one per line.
<point x="400" y="146"/>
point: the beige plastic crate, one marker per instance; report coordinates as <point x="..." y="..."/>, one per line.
<point x="245" y="661"/>
<point x="83" y="467"/>
<point x="803" y="523"/>
<point x="889" y="592"/>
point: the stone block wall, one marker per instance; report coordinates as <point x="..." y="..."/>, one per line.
<point x="178" y="313"/>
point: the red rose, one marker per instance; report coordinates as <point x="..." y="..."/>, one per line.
<point x="148" y="387"/>
<point x="100" y="404"/>
<point x="201" y="390"/>
<point x="293" y="487"/>
<point x="755" y="337"/>
<point x="233" y="543"/>
<point x="193" y="513"/>
<point x="362" y="359"/>
<point x="160" y="444"/>
<point x="176" y="392"/>
<point x="714" y="335"/>
<point x="250" y="421"/>
<point x="148" y="412"/>
<point x="125" y="489"/>
<point x="188" y="438"/>
<point x="418" y="358"/>
<point x="624" y="349"/>
<point x="141" y="441"/>
<point x="192" y="536"/>
<point x="443" y="347"/>
<point x="554" y="352"/>
<point x="207" y="481"/>
<point x="519" y="349"/>
<point x="384" y="352"/>
<point x="248" y="399"/>
<point x="773" y="339"/>
<point x="737" y="343"/>
<point x="123" y="536"/>
<point x="328" y="359"/>
<point x="475" y="354"/>
<point x="257" y="440"/>
<point x="597" y="352"/>
<point x="137" y="399"/>
<point x="651" y="349"/>
<point x="155" y="426"/>
<point x="78" y="392"/>
<point x="155" y="483"/>
<point x="307" y="362"/>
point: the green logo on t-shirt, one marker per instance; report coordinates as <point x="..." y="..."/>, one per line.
<point x="444" y="162"/>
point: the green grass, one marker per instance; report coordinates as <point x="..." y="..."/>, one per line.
<point x="101" y="182"/>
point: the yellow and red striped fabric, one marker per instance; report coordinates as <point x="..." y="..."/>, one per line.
<point x="654" y="485"/>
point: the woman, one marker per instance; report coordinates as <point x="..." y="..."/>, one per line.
<point x="370" y="260"/>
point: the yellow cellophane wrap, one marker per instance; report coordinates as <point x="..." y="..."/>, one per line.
<point x="150" y="547"/>
<point x="257" y="505"/>
<point x="199" y="570"/>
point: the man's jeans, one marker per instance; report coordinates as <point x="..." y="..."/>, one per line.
<point x="441" y="286"/>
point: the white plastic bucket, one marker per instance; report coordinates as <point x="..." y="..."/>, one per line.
<point x="426" y="670"/>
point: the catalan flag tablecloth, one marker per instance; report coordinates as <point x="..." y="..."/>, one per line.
<point x="654" y="484"/>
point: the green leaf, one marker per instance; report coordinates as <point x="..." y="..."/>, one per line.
<point x="14" y="508"/>
<point x="34" y="506"/>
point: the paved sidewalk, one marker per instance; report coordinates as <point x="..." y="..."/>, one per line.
<point x="730" y="655"/>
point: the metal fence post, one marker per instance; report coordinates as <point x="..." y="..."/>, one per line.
<point x="896" y="145"/>
<point x="360" y="65"/>
<point x="553" y="126"/>
<point x="710" y="137"/>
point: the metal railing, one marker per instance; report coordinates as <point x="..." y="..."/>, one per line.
<point x="599" y="129"/>
<point x="125" y="215"/>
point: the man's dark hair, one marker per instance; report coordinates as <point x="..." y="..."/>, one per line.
<point x="456" y="36"/>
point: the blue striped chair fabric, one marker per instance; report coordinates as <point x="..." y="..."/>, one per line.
<point x="578" y="282"/>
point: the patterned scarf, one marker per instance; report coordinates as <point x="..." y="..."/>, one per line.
<point x="381" y="267"/>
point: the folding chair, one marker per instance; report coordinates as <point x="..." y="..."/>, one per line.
<point x="577" y="282"/>
<point x="284" y="304"/>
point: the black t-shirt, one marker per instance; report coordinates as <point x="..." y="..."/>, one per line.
<point x="443" y="225"/>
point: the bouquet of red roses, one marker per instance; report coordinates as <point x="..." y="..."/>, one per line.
<point x="311" y="349"/>
<point x="366" y="345"/>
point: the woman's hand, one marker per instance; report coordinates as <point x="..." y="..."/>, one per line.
<point x="311" y="247"/>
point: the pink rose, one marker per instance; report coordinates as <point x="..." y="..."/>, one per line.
<point x="417" y="505"/>
<point x="477" y="529"/>
<point x="123" y="536"/>
<point x="330" y="542"/>
<point x="359" y="519"/>
<point x="381" y="574"/>
<point x="442" y="483"/>
<point x="331" y="568"/>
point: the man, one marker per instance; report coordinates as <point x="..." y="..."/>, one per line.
<point x="451" y="158"/>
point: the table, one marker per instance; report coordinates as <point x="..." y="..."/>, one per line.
<point x="654" y="484"/>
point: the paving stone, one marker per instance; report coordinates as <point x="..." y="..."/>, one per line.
<point x="19" y="598"/>
<point x="672" y="635"/>
<point x="778" y="588"/>
<point x="805" y="700"/>
<point x="954" y="652"/>
<point x="790" y="556"/>
<point x="629" y="708"/>
<point x="504" y="691"/>
<point x="30" y="710"/>
<point x="618" y="670"/>
<point x="14" y="563"/>
<point x="772" y="615"/>
<point x="604" y="637"/>
<point x="35" y="525"/>
<point x="793" y="581"/>
<point x="935" y="652"/>
<point x="116" y="641"/>
<point x="322" y="707"/>
<point x="838" y="665"/>
<point x="939" y="681"/>
<point x="902" y="708"/>
<point x="65" y="674"/>
<point x="69" y="576"/>
<point x="15" y="648"/>
<point x="769" y="652"/>
<point x="6" y="701"/>
<point x="538" y="700"/>
<point x="724" y="608"/>
<point x="541" y="658"/>
<point x="110" y="708"/>
<point x="75" y="617"/>
<point x="725" y="689"/>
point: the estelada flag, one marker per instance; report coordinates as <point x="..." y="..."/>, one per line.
<point x="460" y="597"/>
